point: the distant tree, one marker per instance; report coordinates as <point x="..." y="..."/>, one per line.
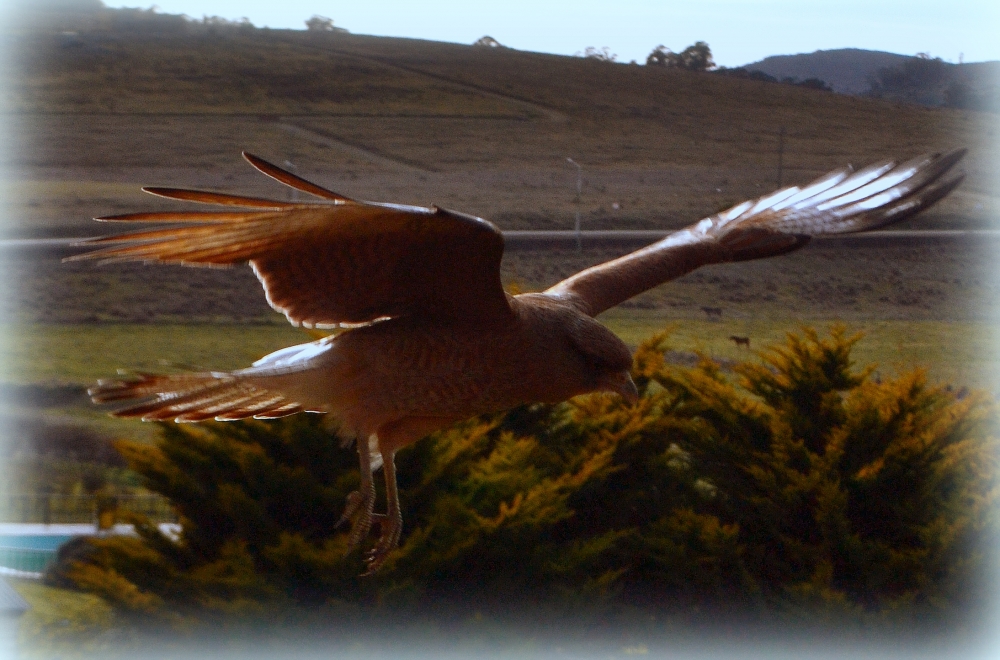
<point x="959" y="94"/>
<point x="921" y="79"/>
<point x="814" y="83"/>
<point x="319" y="24"/>
<point x="744" y="73"/>
<point x="930" y="81"/>
<point x="603" y="54"/>
<point x="488" y="42"/>
<point x="661" y="56"/>
<point x="696" y="57"/>
<point x="322" y="24"/>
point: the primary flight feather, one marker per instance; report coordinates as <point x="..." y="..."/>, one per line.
<point x="434" y="338"/>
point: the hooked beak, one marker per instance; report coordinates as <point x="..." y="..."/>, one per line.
<point x="620" y="383"/>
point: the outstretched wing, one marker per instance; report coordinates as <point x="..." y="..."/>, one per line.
<point x="839" y="202"/>
<point x="340" y="262"/>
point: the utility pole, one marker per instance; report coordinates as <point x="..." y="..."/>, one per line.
<point x="289" y="165"/>
<point x="579" y="192"/>
<point x="781" y="156"/>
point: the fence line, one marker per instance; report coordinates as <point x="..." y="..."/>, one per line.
<point x="56" y="509"/>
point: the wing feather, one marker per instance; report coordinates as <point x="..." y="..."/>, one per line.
<point x="817" y="187"/>
<point x="292" y="180"/>
<point x="324" y="264"/>
<point x="841" y="201"/>
<point x="206" y="197"/>
<point x="182" y="216"/>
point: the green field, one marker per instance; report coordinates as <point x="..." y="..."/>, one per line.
<point x="80" y="354"/>
<point x="962" y="353"/>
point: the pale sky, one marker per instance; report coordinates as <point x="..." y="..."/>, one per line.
<point x="738" y="31"/>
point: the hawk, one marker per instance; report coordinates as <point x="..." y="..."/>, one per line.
<point x="432" y="336"/>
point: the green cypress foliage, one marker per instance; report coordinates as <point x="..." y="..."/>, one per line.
<point x="794" y="486"/>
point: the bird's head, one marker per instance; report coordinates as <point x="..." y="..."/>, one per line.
<point x="621" y="383"/>
<point x="608" y="358"/>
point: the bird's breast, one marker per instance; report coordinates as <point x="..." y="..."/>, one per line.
<point x="398" y="368"/>
<point x="409" y="370"/>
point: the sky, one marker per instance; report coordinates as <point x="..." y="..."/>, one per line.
<point x="738" y="31"/>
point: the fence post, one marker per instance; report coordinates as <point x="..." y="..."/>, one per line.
<point x="781" y="156"/>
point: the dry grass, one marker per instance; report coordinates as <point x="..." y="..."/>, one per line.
<point x="64" y="623"/>
<point x="482" y="130"/>
<point x="946" y="281"/>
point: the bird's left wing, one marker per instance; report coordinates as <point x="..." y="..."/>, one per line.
<point x="842" y="201"/>
<point x="339" y="262"/>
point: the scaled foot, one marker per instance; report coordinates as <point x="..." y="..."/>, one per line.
<point x="388" y="540"/>
<point x="360" y="507"/>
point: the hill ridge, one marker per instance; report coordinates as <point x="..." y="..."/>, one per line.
<point x="852" y="70"/>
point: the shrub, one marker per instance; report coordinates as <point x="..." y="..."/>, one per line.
<point x="794" y="487"/>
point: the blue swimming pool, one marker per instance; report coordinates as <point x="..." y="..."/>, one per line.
<point x="34" y="542"/>
<point x="31" y="553"/>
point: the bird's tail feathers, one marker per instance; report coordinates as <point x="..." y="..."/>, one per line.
<point x="192" y="397"/>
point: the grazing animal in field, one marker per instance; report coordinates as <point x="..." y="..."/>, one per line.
<point x="433" y="337"/>
<point x="713" y="312"/>
<point x="740" y="341"/>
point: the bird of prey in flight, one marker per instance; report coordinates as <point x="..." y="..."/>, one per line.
<point x="434" y="338"/>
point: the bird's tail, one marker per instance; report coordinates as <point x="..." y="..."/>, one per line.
<point x="193" y="397"/>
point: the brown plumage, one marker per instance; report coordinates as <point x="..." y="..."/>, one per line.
<point x="434" y="337"/>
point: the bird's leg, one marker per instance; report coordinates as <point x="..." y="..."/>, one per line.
<point x="392" y="523"/>
<point x="389" y="439"/>
<point x="361" y="503"/>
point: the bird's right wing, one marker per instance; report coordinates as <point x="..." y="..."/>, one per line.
<point x="840" y="202"/>
<point x="339" y="262"/>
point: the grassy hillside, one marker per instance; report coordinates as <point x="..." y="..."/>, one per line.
<point x="484" y="130"/>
